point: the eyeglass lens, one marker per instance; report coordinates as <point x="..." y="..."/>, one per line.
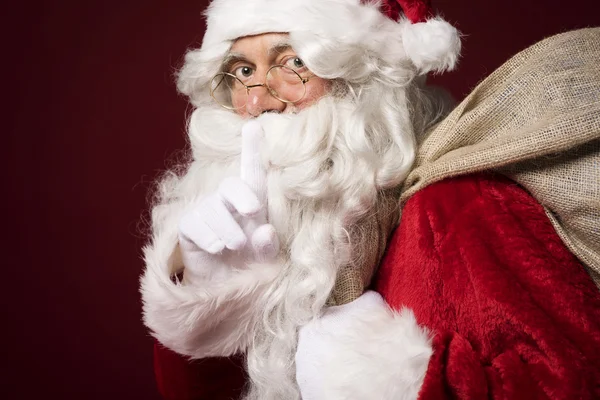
<point x="282" y="82"/>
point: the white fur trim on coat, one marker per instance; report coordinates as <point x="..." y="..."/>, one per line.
<point x="206" y="317"/>
<point x="210" y="320"/>
<point x="362" y="350"/>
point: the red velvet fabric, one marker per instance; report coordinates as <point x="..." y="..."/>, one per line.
<point x="514" y="314"/>
<point x="415" y="10"/>
<point x="210" y="379"/>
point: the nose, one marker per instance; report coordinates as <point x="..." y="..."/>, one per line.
<point x="261" y="101"/>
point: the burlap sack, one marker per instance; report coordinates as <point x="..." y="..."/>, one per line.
<point x="537" y="120"/>
<point x="370" y="237"/>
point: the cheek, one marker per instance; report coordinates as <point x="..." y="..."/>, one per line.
<point x="238" y="101"/>
<point x="315" y="89"/>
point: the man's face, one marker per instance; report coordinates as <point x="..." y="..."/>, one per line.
<point x="252" y="58"/>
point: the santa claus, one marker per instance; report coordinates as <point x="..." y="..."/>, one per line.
<point x="308" y="118"/>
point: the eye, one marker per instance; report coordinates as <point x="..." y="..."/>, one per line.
<point x="243" y="73"/>
<point x="295" y="63"/>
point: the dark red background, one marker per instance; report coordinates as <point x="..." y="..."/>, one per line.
<point x="92" y="115"/>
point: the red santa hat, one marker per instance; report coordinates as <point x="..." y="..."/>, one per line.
<point x="396" y="32"/>
<point x="429" y="42"/>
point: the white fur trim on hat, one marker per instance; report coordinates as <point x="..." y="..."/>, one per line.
<point x="431" y="45"/>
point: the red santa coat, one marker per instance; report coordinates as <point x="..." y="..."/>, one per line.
<point x="513" y="313"/>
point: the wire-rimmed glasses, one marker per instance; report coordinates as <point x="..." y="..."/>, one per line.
<point x="282" y="82"/>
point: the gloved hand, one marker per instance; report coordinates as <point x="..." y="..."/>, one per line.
<point x="362" y="350"/>
<point x="230" y="226"/>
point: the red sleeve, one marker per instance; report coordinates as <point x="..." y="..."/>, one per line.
<point x="209" y="379"/>
<point x="514" y="313"/>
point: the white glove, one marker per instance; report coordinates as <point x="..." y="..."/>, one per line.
<point x="230" y="225"/>
<point x="360" y="351"/>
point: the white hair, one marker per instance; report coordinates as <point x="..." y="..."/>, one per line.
<point x="333" y="165"/>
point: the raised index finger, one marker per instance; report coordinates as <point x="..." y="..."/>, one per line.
<point x="252" y="170"/>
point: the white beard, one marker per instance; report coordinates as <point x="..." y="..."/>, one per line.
<point x="313" y="161"/>
<point x="326" y="170"/>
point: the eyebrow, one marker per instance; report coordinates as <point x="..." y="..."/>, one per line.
<point x="278" y="48"/>
<point x="233" y="57"/>
<point x="230" y="59"/>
